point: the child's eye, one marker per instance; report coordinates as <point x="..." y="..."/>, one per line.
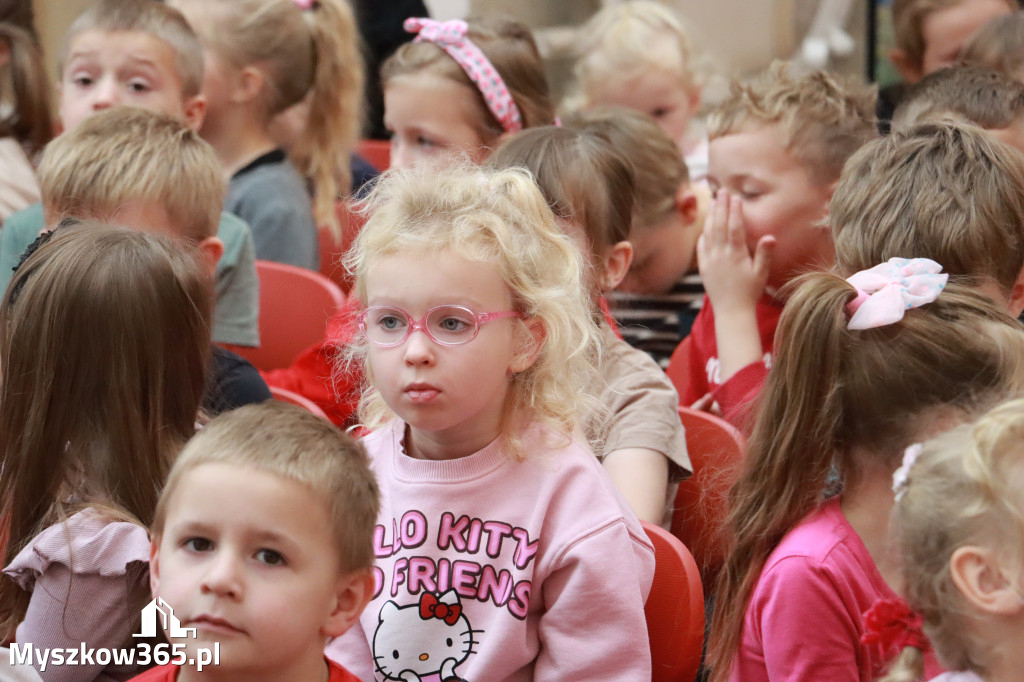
<point x="82" y="80"/>
<point x="390" y="322"/>
<point x="425" y="142"/>
<point x="270" y="557"/>
<point x="661" y="112"/>
<point x="452" y="324"/>
<point x="137" y="85"/>
<point x="197" y="544"/>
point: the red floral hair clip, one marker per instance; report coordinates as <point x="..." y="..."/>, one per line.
<point x="891" y="625"/>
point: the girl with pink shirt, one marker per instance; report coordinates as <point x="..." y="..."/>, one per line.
<point x="104" y="344"/>
<point x="503" y="550"/>
<point x="866" y="366"/>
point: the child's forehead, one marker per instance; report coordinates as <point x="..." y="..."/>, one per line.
<point x="125" y="47"/>
<point x="236" y="479"/>
<point x="617" y="62"/>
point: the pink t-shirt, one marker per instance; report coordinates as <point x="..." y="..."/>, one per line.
<point x="805" y="617"/>
<point x="494" y="569"/>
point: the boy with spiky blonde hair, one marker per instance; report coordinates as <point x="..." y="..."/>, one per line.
<point x="777" y="148"/>
<point x="144" y="54"/>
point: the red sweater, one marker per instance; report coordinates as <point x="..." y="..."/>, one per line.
<point x="169" y="672"/>
<point x="733" y="396"/>
<point x="320" y="372"/>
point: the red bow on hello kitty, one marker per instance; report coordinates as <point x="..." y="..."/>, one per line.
<point x="430" y="607"/>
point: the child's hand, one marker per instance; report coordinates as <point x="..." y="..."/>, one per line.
<point x="734" y="281"/>
<point x="706" y="403"/>
<point x="732" y="278"/>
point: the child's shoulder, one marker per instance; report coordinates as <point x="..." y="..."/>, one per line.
<point x="89" y="542"/>
<point x="823" y="547"/>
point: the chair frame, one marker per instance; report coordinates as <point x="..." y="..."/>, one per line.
<point x="674" y="610"/>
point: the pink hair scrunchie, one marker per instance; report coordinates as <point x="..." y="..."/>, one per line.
<point x="450" y="36"/>
<point x="887" y="291"/>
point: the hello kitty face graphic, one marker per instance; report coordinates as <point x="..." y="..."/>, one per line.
<point x="426" y="640"/>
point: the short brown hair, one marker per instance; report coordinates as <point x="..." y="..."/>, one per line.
<point x="982" y="96"/>
<point x="128" y="154"/>
<point x="946" y="191"/>
<point x="510" y="47"/>
<point x="824" y="120"/>
<point x="292" y="443"/>
<point x="658" y="167"/>
<point x="582" y="176"/>
<point x="908" y="18"/>
<point x="998" y="45"/>
<point x="145" y="16"/>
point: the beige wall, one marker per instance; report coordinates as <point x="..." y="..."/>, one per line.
<point x="52" y="19"/>
<point x="738" y="36"/>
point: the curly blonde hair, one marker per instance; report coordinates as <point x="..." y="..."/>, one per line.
<point x="823" y="118"/>
<point x="963" y="488"/>
<point x="498" y="217"/>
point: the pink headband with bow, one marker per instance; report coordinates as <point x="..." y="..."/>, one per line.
<point x="887" y="291"/>
<point x="450" y="36"/>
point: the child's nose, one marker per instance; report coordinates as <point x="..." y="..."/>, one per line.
<point x="401" y="156"/>
<point x="419" y="348"/>
<point x="223" y="576"/>
<point x="106" y="95"/>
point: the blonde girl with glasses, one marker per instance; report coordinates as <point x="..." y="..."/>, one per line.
<point x="497" y="525"/>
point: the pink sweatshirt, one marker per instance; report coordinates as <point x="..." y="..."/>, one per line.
<point x="805" y="617"/>
<point x="493" y="569"/>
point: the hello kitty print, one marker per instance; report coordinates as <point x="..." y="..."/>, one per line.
<point x="497" y="559"/>
<point x="423" y="642"/>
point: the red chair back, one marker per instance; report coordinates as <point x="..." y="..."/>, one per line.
<point x="286" y="396"/>
<point x="674" y="610"/>
<point x="678" y="369"/>
<point x="295" y="306"/>
<point x="716" y="449"/>
<point x="377" y="152"/>
<point x="333" y="248"/>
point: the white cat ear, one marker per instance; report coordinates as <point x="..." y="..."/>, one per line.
<point x="450" y="597"/>
<point x="390" y="608"/>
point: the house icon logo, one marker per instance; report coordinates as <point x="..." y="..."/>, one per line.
<point x="158" y="615"/>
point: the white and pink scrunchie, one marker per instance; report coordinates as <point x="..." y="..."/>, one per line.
<point x="450" y="36"/>
<point x="887" y="291"/>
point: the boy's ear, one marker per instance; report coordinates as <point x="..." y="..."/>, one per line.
<point x="616" y="265"/>
<point x="211" y="248"/>
<point x="154" y="567"/>
<point x="687" y="204"/>
<point x="908" y="68"/>
<point x="527" y="355"/>
<point x="354" y="592"/>
<point x="979" y="576"/>
<point x="1016" y="298"/>
<point x="195" y="111"/>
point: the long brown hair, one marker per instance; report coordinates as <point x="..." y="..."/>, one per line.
<point x="832" y="392"/>
<point x="104" y="346"/>
<point x="30" y="120"/>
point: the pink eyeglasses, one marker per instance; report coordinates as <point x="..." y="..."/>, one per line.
<point x="446" y="325"/>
